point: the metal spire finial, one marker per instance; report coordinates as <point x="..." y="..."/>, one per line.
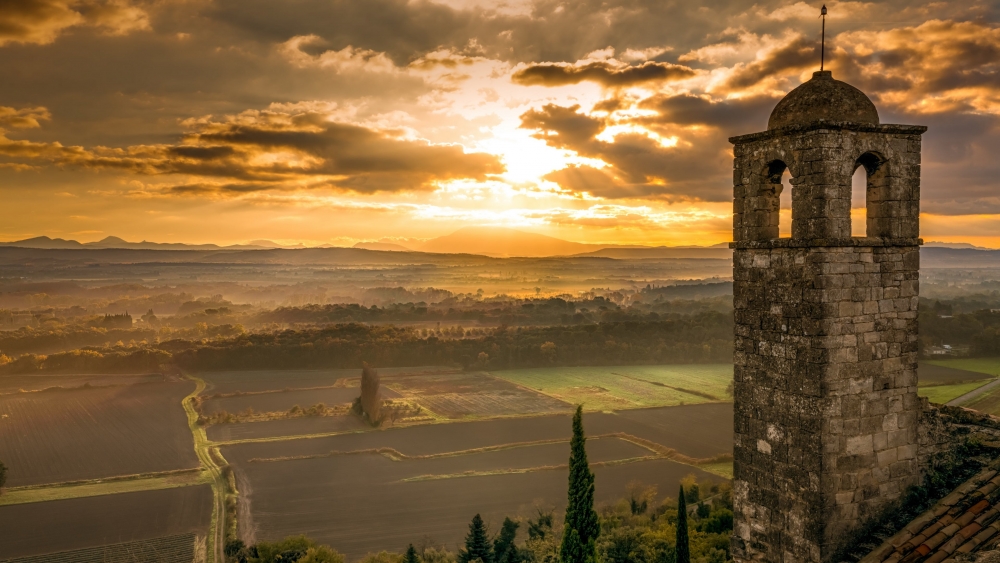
<point x="822" y="48"/>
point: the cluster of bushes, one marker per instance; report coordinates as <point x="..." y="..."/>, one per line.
<point x="226" y="417"/>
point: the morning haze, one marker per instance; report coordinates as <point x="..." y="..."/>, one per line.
<point x="524" y="281"/>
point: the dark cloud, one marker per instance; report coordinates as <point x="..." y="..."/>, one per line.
<point x="797" y="54"/>
<point x="274" y="150"/>
<point x="22" y="118"/>
<point x="42" y="21"/>
<point x="639" y="166"/>
<point x="602" y="72"/>
<point x="734" y="115"/>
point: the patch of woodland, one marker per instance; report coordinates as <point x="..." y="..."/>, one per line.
<point x="705" y="337"/>
<point x="968" y="323"/>
<point x="53" y="329"/>
<point x="672" y="300"/>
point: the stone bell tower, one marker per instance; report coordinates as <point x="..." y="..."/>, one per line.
<point x="826" y="402"/>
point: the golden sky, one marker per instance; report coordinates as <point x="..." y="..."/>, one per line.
<point x="338" y="121"/>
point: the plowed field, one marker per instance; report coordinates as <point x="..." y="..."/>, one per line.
<point x="694" y="430"/>
<point x="87" y="433"/>
<point x="50" y="527"/>
<point x="16" y="383"/>
<point x="391" y="497"/>
<point x="286" y="427"/>
<point x="361" y="505"/>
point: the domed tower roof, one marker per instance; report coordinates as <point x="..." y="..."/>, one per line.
<point x="823" y="99"/>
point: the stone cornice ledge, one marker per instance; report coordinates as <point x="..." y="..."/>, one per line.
<point x="830" y="126"/>
<point x="838" y="242"/>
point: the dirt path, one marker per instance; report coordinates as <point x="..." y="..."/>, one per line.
<point x="202" y="447"/>
<point x="974" y="393"/>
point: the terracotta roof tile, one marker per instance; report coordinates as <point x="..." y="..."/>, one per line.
<point x="964" y="521"/>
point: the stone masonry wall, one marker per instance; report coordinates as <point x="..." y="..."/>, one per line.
<point x="825" y="392"/>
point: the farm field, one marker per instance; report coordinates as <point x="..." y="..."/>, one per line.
<point x="465" y="395"/>
<point x="18" y="383"/>
<point x="88" y="433"/>
<point x="398" y="485"/>
<point x="109" y="519"/>
<point x="941" y="394"/>
<point x="376" y="510"/>
<point x="937" y="374"/>
<point x="988" y="402"/>
<point x="169" y="549"/>
<point x="709" y="433"/>
<point x="286" y="427"/>
<point x="988" y="366"/>
<point x="944" y="380"/>
<point x="627" y="387"/>
<point x="226" y="382"/>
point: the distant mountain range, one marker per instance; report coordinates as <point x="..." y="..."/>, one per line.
<point x="115" y="242"/>
<point x="496" y="242"/>
<point x="503" y="242"/>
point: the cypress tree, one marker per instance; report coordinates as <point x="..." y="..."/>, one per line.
<point x="411" y="555"/>
<point x="683" y="550"/>
<point x="477" y="545"/>
<point x="582" y="527"/>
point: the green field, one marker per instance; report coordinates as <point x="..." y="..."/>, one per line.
<point x="989" y="366"/>
<point x="941" y="394"/>
<point x="613" y="388"/>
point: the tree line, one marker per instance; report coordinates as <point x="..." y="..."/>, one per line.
<point x="705" y="337"/>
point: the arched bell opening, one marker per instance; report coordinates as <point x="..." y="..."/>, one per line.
<point x="868" y="192"/>
<point x="777" y="191"/>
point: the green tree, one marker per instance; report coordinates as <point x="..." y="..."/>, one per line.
<point x="582" y="526"/>
<point x="573" y="550"/>
<point x="371" y="397"/>
<point x="411" y="555"/>
<point x="477" y="544"/>
<point x="504" y="549"/>
<point x="321" y="554"/>
<point x="541" y="527"/>
<point x="683" y="548"/>
<point x="289" y="549"/>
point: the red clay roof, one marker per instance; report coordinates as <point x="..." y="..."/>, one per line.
<point x="965" y="521"/>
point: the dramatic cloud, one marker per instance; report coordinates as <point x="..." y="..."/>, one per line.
<point x="599" y="120"/>
<point x="606" y="73"/>
<point x="24" y="118"/>
<point x="795" y="55"/>
<point x="41" y="21"/>
<point x="934" y="67"/>
<point x="347" y="59"/>
<point x="640" y="162"/>
<point x="262" y="150"/>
